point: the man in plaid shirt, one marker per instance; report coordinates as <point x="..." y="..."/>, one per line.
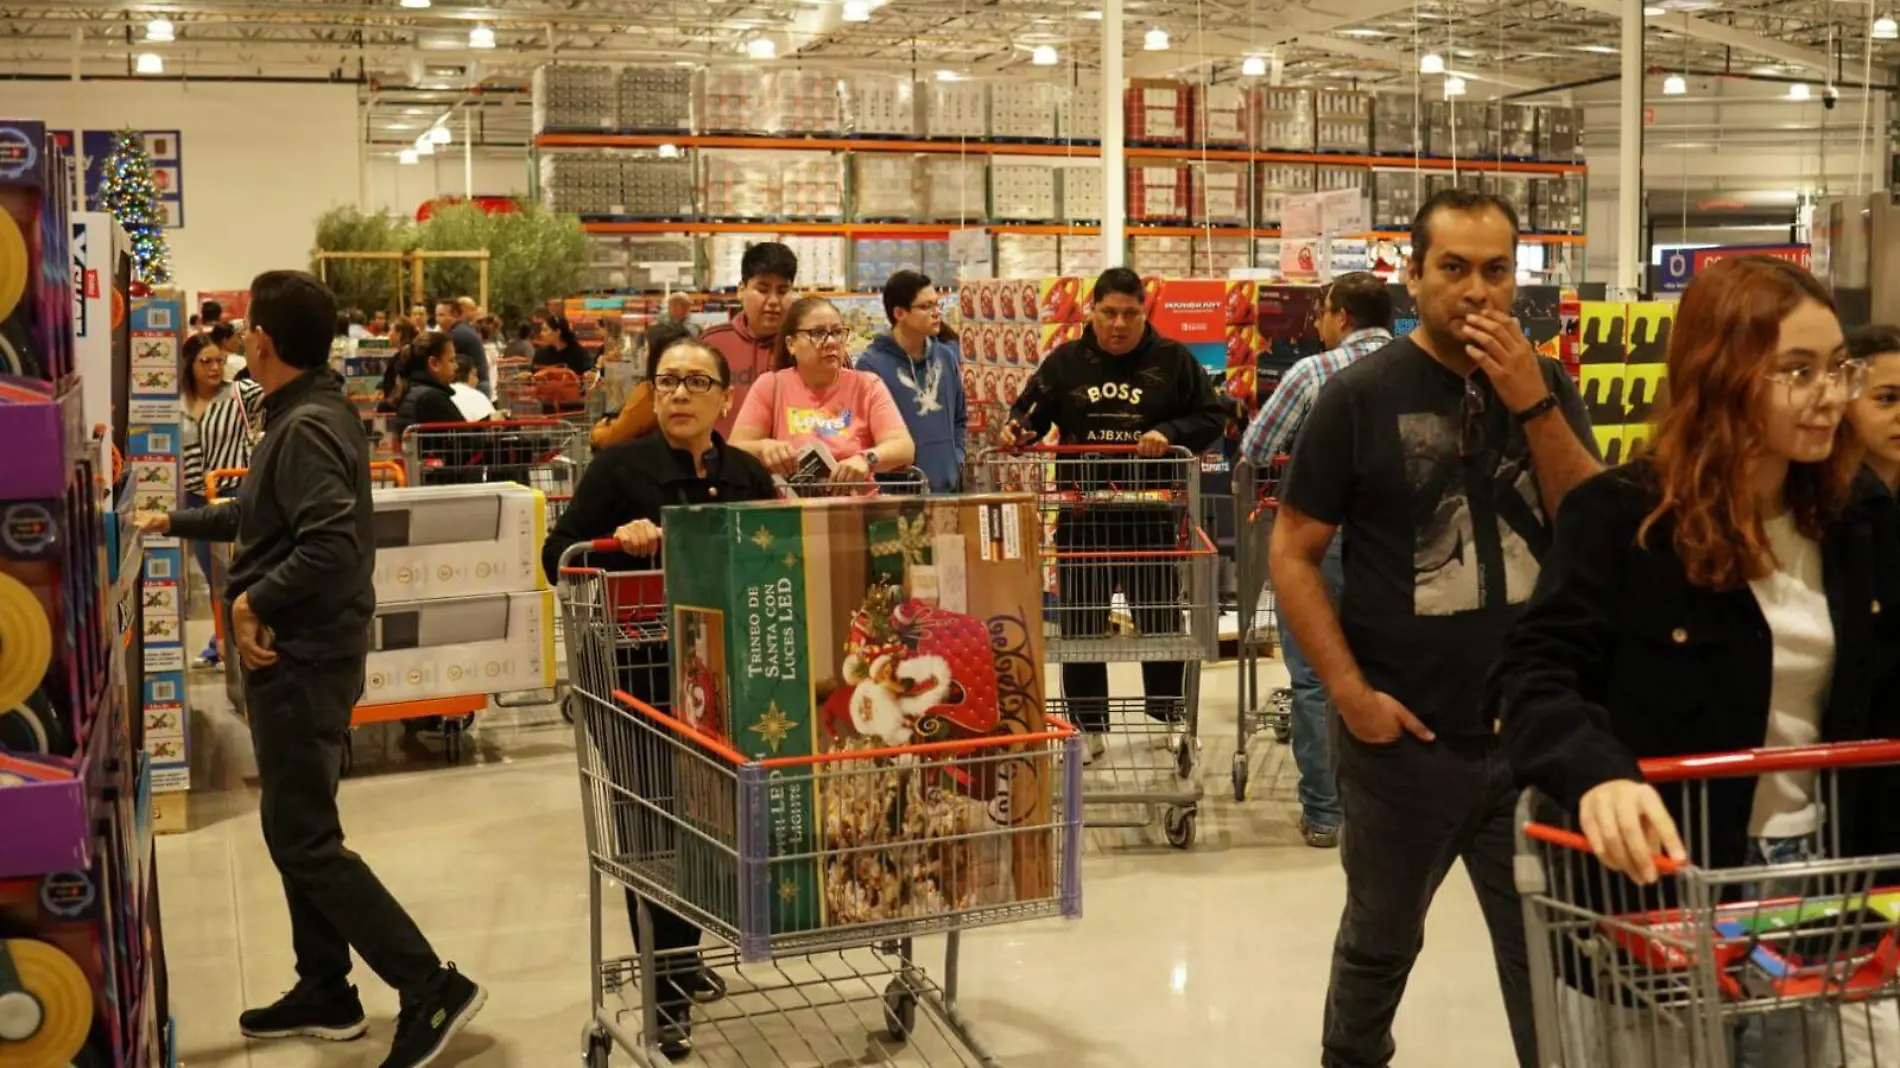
<point x="1355" y="319"/>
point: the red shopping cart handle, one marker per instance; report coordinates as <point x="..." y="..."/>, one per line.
<point x="1563" y="839"/>
<point x="605" y="545"/>
<point x="1764" y="761"/>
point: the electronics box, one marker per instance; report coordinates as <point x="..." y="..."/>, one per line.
<point x="458" y="541"/>
<point x="461" y="645"/>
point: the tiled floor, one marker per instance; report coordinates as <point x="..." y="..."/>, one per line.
<point x="1209" y="958"/>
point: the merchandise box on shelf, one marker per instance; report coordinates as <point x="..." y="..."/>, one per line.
<point x="1220" y="117"/>
<point x="1395" y="129"/>
<point x="885" y="187"/>
<point x="101" y="277"/>
<point x="658" y="99"/>
<point x="44" y="427"/>
<point x="1023" y="110"/>
<point x="957" y="110"/>
<point x="1283" y="119"/>
<point x="459" y="646"/>
<point x="1342" y="121"/>
<point x="36" y="314"/>
<point x="827" y="628"/>
<point x="574" y="97"/>
<point x="1079" y="114"/>
<point x="1157" y="111"/>
<point x="881" y="105"/>
<point x="458" y="541"/>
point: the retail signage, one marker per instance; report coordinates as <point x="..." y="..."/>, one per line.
<point x="1193" y="312"/>
<point x="1679" y="266"/>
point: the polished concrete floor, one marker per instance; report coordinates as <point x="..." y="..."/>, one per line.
<point x="1213" y="957"/>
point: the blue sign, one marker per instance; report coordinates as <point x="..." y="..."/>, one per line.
<point x="1677" y="268"/>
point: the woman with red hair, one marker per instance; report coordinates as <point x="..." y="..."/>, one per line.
<point x="1715" y="595"/>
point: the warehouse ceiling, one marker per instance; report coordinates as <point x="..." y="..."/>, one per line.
<point x="416" y="65"/>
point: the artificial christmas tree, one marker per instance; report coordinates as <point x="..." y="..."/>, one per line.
<point x="128" y="193"/>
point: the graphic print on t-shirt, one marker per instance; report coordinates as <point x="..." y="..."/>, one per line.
<point x="1454" y="567"/>
<point x="817" y="422"/>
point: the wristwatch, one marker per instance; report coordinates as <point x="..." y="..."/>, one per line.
<point x="870" y="459"/>
<point x="1549" y="402"/>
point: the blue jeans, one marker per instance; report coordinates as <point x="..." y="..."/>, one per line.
<point x="1312" y="709"/>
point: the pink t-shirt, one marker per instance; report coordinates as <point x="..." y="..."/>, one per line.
<point x="849" y="417"/>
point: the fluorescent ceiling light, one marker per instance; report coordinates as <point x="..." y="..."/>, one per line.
<point x="481" y="37"/>
<point x="149" y="63"/>
<point x="160" y="31"/>
<point x="856" y="11"/>
<point x="1431" y="63"/>
<point x="1045" y="56"/>
<point x="439" y="134"/>
<point x="1253" y="67"/>
<point x="669" y="151"/>
<point x="1454" y="86"/>
<point x="1601" y="50"/>
<point x="762" y="48"/>
<point x="948" y="76"/>
<point x="1798" y="91"/>
<point x="1361" y="31"/>
<point x="1675" y="85"/>
<point x="1093" y="16"/>
<point x="424" y="146"/>
<point x="415" y="5"/>
<point x="1156" y="40"/>
<point x="1886" y="29"/>
<point x="1653" y="10"/>
<point x="407" y="157"/>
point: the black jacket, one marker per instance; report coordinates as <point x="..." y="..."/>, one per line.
<point x="638" y="479"/>
<point x="575" y="358"/>
<point x="302" y="522"/>
<point x="1618" y="658"/>
<point x="424" y="402"/>
<point x="1091" y="397"/>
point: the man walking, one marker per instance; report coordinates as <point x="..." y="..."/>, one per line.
<point x="1444" y="456"/>
<point x="301" y="602"/>
<point x="457" y="318"/>
<point x="1355" y="319"/>
<point x="766" y="274"/>
<point x="924" y="375"/>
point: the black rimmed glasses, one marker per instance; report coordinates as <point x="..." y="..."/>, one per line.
<point x="697" y="385"/>
<point x="826" y="337"/>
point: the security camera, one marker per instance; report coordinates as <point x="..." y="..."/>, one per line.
<point x="1830" y="98"/>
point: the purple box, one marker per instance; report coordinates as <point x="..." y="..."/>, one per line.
<point x="45" y="434"/>
<point x="36" y="333"/>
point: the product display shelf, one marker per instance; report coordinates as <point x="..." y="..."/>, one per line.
<point x="929" y="231"/>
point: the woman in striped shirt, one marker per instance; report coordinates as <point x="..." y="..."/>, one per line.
<point x="221" y="420"/>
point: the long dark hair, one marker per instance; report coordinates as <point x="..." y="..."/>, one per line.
<point x="559" y="324"/>
<point x="417" y="354"/>
<point x="188" y="361"/>
<point x="795" y="317"/>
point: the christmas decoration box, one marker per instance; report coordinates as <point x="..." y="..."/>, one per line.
<point x="858" y="630"/>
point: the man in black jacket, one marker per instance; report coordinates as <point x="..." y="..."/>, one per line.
<point x="301" y="600"/>
<point x="457" y="318"/>
<point x="1121" y="384"/>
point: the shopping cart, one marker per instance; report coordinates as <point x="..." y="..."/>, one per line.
<point x="1132" y="581"/>
<point x="909" y="482"/>
<point x="674" y="813"/>
<point x="1256" y="629"/>
<point x="544" y="454"/>
<point x="1797" y="961"/>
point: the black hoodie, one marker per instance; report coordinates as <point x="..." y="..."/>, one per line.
<point x="1092" y="398"/>
<point x="426" y="401"/>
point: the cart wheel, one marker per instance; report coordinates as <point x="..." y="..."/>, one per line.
<point x="900" y="1011"/>
<point x="1184" y="758"/>
<point x="1240" y="776"/>
<point x="349" y="753"/>
<point x="567" y="706"/>
<point x="1180" y="825"/>
<point x="599" y="1050"/>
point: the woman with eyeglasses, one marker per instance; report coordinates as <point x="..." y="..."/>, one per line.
<point x="812" y="398"/>
<point x="621" y="496"/>
<point x="221" y="420"/>
<point x="1716" y="595"/>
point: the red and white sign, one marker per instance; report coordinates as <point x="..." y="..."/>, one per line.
<point x="1801" y="255"/>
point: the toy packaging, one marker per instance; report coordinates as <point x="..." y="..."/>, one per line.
<point x="863" y="626"/>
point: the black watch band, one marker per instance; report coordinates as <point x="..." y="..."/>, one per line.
<point x="1547" y="404"/>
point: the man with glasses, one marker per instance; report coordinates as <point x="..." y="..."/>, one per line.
<point x="924" y="375"/>
<point x="767" y="273"/>
<point x="1443" y="456"/>
<point x="1355" y="319"/>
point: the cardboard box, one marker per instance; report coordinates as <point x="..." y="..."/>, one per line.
<point x="458" y="541"/>
<point x="461" y="645"/>
<point x="820" y="627"/>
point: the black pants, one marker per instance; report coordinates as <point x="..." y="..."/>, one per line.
<point x="300" y="711"/>
<point x="1151" y="585"/>
<point x="1412" y="808"/>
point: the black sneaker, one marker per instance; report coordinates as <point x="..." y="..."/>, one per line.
<point x="333" y="1015"/>
<point x="425" y="1025"/>
<point x="701" y="985"/>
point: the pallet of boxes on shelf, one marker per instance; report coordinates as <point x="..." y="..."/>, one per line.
<point x="1517" y="131"/>
<point x="1079" y="114"/>
<point x="1395" y="124"/>
<point x="574" y="98"/>
<point x="1023" y="111"/>
<point x="1027" y="255"/>
<point x="1081" y="254"/>
<point x="1220" y="117"/>
<point x="1459" y="128"/>
<point x="1327" y="179"/>
<point x="1004" y="341"/>
<point x="875" y="259"/>
<point x="658" y="262"/>
<point x="1157" y="111"/>
<point x="886" y="186"/>
<point x="656" y="187"/>
<point x="1513" y="189"/>
<point x="1221" y="193"/>
<point x="1556" y="204"/>
<point x="732" y="100"/>
<point x="1283" y="119"/>
<point x="741" y="184"/>
<point x="1161" y="257"/>
<point x="820" y="260"/>
<point x="881" y="105"/>
<point x="1395" y="198"/>
<point x="1218" y="255"/>
<point x="1342" y="121"/>
<point x="1023" y="191"/>
<point x="956" y="188"/>
<point x="1560" y="133"/>
<point x="803" y="102"/>
<point x="655" y="99"/>
<point x="954" y="110"/>
<point x="1081" y="192"/>
<point x="1273" y="183"/>
<point x="811" y="186"/>
<point x="1159" y="192"/>
<point x="583" y="183"/>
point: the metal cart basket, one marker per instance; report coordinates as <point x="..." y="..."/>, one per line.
<point x="544" y="454"/>
<point x="908" y="482"/>
<point x="1257" y="634"/>
<point x="677" y="815"/>
<point x="1131" y="580"/>
<point x="1791" y="961"/>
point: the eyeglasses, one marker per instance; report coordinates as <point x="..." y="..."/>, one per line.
<point x="1809" y="385"/>
<point x="932" y="308"/>
<point x="695" y="384"/>
<point x="210" y="361"/>
<point x="826" y="337"/>
<point x="1471" y="423"/>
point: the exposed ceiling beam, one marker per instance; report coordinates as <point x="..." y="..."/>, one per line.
<point x="1233" y="41"/>
<point x="1404" y="61"/>
<point x="1717" y="33"/>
